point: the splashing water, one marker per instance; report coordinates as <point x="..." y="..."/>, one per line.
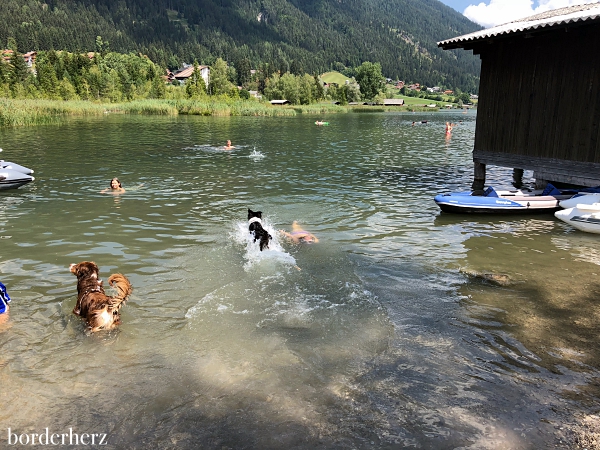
<point x="273" y="256"/>
<point x="256" y="155"/>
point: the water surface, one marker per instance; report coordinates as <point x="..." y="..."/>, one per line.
<point x="379" y="336"/>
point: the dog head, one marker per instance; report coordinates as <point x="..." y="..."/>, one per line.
<point x="254" y="214"/>
<point x="85" y="269"/>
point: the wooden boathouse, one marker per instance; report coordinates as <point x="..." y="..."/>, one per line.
<point x="539" y="96"/>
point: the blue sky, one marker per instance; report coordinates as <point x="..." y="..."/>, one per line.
<point x="458" y="5"/>
<point x="489" y="13"/>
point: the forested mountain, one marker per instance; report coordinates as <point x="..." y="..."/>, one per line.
<point x="297" y="35"/>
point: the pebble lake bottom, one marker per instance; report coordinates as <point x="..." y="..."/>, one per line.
<point x="385" y="334"/>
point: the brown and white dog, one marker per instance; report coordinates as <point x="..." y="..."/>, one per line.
<point x="100" y="311"/>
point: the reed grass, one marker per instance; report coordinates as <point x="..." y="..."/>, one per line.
<point x="15" y="113"/>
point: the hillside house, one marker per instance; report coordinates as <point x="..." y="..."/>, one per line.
<point x="29" y="57"/>
<point x="539" y="96"/>
<point x="186" y="72"/>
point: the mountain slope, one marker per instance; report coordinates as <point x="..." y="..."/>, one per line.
<point x="311" y="35"/>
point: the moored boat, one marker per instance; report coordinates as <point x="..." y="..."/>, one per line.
<point x="584" y="217"/>
<point x="493" y="201"/>
<point x="583" y="198"/>
<point x="14" y="175"/>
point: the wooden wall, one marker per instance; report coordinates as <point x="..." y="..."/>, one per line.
<point x="539" y="101"/>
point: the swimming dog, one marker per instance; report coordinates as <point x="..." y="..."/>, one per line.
<point x="256" y="230"/>
<point x="100" y="311"/>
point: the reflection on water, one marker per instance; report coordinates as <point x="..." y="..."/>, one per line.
<point x="390" y="332"/>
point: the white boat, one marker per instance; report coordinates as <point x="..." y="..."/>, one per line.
<point x="584" y="217"/>
<point x="583" y="198"/>
<point x="14" y="175"/>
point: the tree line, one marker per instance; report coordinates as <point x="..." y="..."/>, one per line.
<point x="116" y="77"/>
<point x="312" y="36"/>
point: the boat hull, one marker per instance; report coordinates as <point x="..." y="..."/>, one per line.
<point x="580" y="199"/>
<point x="12" y="179"/>
<point x="466" y="203"/>
<point x="584" y="217"/>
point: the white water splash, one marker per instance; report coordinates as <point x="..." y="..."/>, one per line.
<point x="273" y="256"/>
<point x="256" y="155"/>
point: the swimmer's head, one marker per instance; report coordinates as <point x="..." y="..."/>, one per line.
<point x="308" y="239"/>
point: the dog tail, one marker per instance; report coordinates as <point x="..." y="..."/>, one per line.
<point x="264" y="241"/>
<point x="123" y="287"/>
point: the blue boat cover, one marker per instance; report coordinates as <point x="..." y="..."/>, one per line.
<point x="550" y="190"/>
<point x="490" y="192"/>
<point x="4" y="298"/>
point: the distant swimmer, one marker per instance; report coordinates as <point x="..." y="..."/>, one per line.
<point x="115" y="187"/>
<point x="228" y="146"/>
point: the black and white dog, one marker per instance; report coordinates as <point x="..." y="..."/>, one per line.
<point x="255" y="228"/>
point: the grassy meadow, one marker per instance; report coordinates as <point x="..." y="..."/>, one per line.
<point x="335" y="77"/>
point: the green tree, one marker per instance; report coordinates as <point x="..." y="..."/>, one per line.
<point x="102" y="47"/>
<point x="66" y="90"/>
<point x="353" y="93"/>
<point x="242" y="68"/>
<point x="370" y="79"/>
<point x="318" y="89"/>
<point x="290" y="88"/>
<point x="195" y="86"/>
<point x="4" y="71"/>
<point x="273" y="90"/>
<point x="18" y="71"/>
<point x="46" y="76"/>
<point x="158" y="88"/>
<point x="219" y="84"/>
<point x="305" y="89"/>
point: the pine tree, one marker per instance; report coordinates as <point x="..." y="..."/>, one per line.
<point x="18" y="69"/>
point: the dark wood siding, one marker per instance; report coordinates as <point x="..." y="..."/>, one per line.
<point x="539" y="96"/>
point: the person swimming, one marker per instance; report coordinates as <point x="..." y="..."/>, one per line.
<point x="298" y="235"/>
<point x="228" y="146"/>
<point x="115" y="187"/>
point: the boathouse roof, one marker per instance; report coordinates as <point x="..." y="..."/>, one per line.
<point x="569" y="16"/>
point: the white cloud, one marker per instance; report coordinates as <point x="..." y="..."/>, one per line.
<point x="497" y="12"/>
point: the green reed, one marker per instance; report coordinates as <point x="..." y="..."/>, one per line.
<point x="38" y="112"/>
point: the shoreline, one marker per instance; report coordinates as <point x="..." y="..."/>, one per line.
<point x="28" y="112"/>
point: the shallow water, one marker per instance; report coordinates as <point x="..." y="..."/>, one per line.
<point x="382" y="335"/>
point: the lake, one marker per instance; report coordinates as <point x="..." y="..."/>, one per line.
<point x="381" y="335"/>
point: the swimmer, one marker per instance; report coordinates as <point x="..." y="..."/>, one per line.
<point x="229" y="146"/>
<point x="115" y="187"/>
<point x="299" y="235"/>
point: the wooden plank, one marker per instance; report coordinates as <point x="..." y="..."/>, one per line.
<point x="540" y="97"/>
<point x="559" y="170"/>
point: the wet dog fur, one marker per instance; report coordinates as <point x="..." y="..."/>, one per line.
<point x="100" y="311"/>
<point x="256" y="230"/>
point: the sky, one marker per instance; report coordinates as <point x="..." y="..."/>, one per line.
<point x="490" y="13"/>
